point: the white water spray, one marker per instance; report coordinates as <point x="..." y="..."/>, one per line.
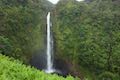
<point x="49" y="47"/>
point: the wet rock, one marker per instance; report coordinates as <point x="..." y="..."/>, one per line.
<point x="38" y="60"/>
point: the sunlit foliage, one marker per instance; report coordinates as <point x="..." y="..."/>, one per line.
<point x="11" y="69"/>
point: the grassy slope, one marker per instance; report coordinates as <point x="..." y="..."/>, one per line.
<point x="11" y="69"/>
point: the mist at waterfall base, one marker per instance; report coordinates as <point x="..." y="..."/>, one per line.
<point x="44" y="59"/>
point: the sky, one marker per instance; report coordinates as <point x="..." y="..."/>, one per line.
<point x="55" y="1"/>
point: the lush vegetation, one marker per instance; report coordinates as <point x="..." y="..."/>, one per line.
<point x="88" y="34"/>
<point x="11" y="69"/>
<point x="22" y="23"/>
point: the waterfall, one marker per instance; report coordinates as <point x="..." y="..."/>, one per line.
<point x="49" y="47"/>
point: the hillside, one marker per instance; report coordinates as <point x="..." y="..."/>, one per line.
<point x="78" y="38"/>
<point x="11" y="69"/>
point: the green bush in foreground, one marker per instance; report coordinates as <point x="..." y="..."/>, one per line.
<point x="11" y="69"/>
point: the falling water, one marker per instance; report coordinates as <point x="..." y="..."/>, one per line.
<point x="49" y="47"/>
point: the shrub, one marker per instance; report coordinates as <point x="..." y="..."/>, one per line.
<point x="5" y="46"/>
<point x="106" y="76"/>
<point x="11" y="69"/>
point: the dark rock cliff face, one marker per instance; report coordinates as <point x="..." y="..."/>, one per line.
<point x="67" y="67"/>
<point x="61" y="66"/>
<point x="38" y="60"/>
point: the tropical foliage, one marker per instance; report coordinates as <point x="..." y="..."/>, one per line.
<point x="22" y="22"/>
<point x="11" y="69"/>
<point x="88" y="34"/>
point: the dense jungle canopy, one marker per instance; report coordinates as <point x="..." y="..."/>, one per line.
<point x="86" y="34"/>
